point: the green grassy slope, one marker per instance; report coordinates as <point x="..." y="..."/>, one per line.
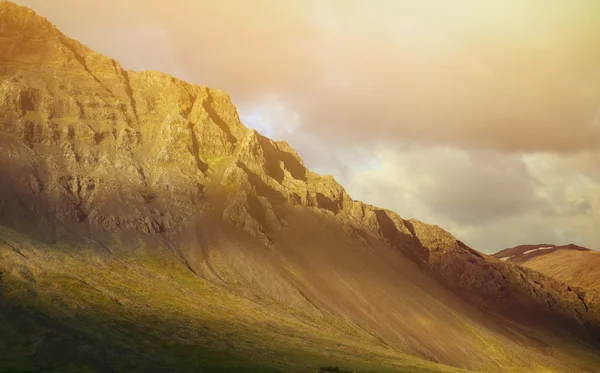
<point x="79" y="311"/>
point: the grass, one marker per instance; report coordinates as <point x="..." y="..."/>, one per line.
<point x="66" y="309"/>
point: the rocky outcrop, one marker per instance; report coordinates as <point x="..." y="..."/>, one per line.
<point x="104" y="146"/>
<point x="111" y="145"/>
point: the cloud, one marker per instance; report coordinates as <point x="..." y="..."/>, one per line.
<point x="487" y="199"/>
<point x="468" y="188"/>
<point x="271" y="116"/>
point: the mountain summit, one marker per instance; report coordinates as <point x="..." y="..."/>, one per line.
<point x="143" y="227"/>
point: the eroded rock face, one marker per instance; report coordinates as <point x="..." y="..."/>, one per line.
<point x="110" y="145"/>
<point x="85" y="142"/>
<point x="103" y="146"/>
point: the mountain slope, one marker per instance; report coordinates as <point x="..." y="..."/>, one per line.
<point x="523" y="253"/>
<point x="145" y="228"/>
<point x="571" y="264"/>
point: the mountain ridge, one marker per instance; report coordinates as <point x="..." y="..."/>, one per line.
<point x="522" y="253"/>
<point x="572" y="264"/>
<point x="149" y="176"/>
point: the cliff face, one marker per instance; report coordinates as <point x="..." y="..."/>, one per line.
<point x="100" y="142"/>
<point x="118" y="164"/>
<point x="91" y="132"/>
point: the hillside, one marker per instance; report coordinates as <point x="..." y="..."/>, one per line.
<point x="574" y="265"/>
<point x="144" y="228"/>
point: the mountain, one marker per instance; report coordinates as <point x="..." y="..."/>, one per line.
<point x="572" y="264"/>
<point x="524" y="253"/>
<point x="144" y="228"/>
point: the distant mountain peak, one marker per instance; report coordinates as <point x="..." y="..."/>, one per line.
<point x="521" y="253"/>
<point x="575" y="265"/>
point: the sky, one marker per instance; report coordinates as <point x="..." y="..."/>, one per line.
<point x="482" y="117"/>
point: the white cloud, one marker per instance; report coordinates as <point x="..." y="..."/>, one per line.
<point x="270" y="116"/>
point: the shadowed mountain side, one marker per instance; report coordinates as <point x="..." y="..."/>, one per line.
<point x="139" y="198"/>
